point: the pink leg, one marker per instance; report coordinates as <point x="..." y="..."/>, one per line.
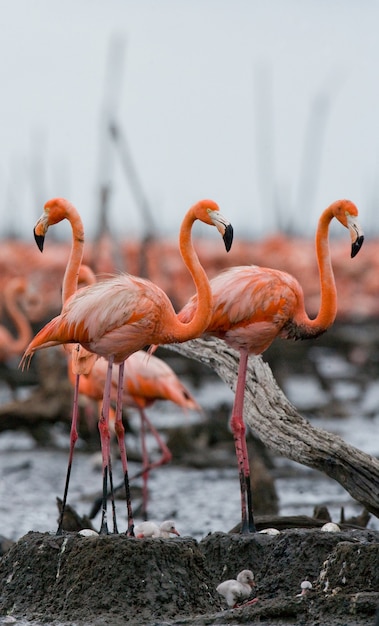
<point x="115" y="529"/>
<point x="145" y="465"/>
<point x="166" y="453"/>
<point x="105" y="444"/>
<point x="238" y="605"/>
<point x="120" y="432"/>
<point x="239" y="433"/>
<point x="73" y="440"/>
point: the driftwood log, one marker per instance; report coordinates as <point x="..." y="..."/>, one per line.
<point x="283" y="430"/>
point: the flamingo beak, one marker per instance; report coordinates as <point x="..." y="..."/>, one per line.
<point x="356" y="234"/>
<point x="223" y="226"/>
<point x="40" y="239"/>
<point x="356" y="245"/>
<point x="175" y="532"/>
<point x="40" y="230"/>
<point x="228" y="237"/>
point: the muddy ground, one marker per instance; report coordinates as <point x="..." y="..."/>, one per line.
<point x="115" y="580"/>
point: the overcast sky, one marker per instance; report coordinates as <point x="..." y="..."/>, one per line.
<point x="268" y="107"/>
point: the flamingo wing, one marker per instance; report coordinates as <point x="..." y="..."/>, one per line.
<point x="124" y="311"/>
<point x="251" y="306"/>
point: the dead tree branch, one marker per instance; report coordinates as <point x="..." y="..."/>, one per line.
<point x="283" y="430"/>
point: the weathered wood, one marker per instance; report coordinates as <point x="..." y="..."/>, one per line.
<point x="282" y="522"/>
<point x="283" y="430"/>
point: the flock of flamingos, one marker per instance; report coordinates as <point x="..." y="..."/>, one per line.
<point x="106" y="323"/>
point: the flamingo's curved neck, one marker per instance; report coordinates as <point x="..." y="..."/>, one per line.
<point x="20" y="321"/>
<point x="202" y="316"/>
<point x="328" y="300"/>
<point x="70" y="280"/>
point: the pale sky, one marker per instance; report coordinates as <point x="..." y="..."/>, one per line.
<point x="214" y="97"/>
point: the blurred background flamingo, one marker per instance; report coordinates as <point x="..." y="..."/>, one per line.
<point x="14" y="317"/>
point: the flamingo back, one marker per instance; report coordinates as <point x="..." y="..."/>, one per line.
<point x="251" y="306"/>
<point x="148" y="378"/>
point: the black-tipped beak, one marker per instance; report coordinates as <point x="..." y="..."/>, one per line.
<point x="228" y="237"/>
<point x="356" y="246"/>
<point x="40" y="239"/>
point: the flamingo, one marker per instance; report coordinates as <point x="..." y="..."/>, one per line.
<point x="56" y="210"/>
<point x="11" y="346"/>
<point x="146" y="379"/>
<point x="123" y="314"/>
<point x="253" y="305"/>
<point x="236" y="590"/>
<point x="150" y="529"/>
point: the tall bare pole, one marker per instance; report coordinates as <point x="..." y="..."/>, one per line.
<point x="264" y="140"/>
<point x="112" y="94"/>
<point x="310" y="166"/>
<point x="314" y="142"/>
<point x="134" y="181"/>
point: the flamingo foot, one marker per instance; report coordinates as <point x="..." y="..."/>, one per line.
<point x="242" y="604"/>
<point x="249" y="496"/>
<point x="247" y="519"/>
<point x="104" y="525"/>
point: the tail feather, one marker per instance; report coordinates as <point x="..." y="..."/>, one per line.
<point x="53" y="333"/>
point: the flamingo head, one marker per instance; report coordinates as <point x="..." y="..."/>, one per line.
<point x="208" y="212"/>
<point x="54" y="211"/>
<point x="346" y="212"/>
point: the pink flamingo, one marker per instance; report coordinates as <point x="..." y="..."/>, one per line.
<point x="11" y="346"/>
<point x="252" y="305"/>
<point x="55" y="211"/>
<point x="121" y="315"/>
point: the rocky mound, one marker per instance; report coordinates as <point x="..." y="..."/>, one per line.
<point x="113" y="580"/>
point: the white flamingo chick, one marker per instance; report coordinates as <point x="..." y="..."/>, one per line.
<point x="150" y="529"/>
<point x="235" y="591"/>
<point x="305" y="587"/>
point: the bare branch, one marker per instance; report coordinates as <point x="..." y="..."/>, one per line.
<point x="283" y="430"/>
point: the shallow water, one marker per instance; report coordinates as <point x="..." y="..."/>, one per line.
<point x="200" y="501"/>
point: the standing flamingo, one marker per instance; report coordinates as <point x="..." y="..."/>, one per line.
<point x="146" y="379"/>
<point x="123" y="314"/>
<point x="253" y="305"/>
<point x="56" y="210"/>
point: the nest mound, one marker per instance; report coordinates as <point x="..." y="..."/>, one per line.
<point x="116" y="580"/>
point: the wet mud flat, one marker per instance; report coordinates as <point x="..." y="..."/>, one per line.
<point x="114" y="580"/>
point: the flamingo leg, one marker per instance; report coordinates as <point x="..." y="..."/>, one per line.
<point x="73" y="440"/>
<point x="120" y="433"/>
<point x="145" y="465"/>
<point x="239" y="434"/>
<point x="114" y="519"/>
<point x="166" y="453"/>
<point x="105" y="444"/>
